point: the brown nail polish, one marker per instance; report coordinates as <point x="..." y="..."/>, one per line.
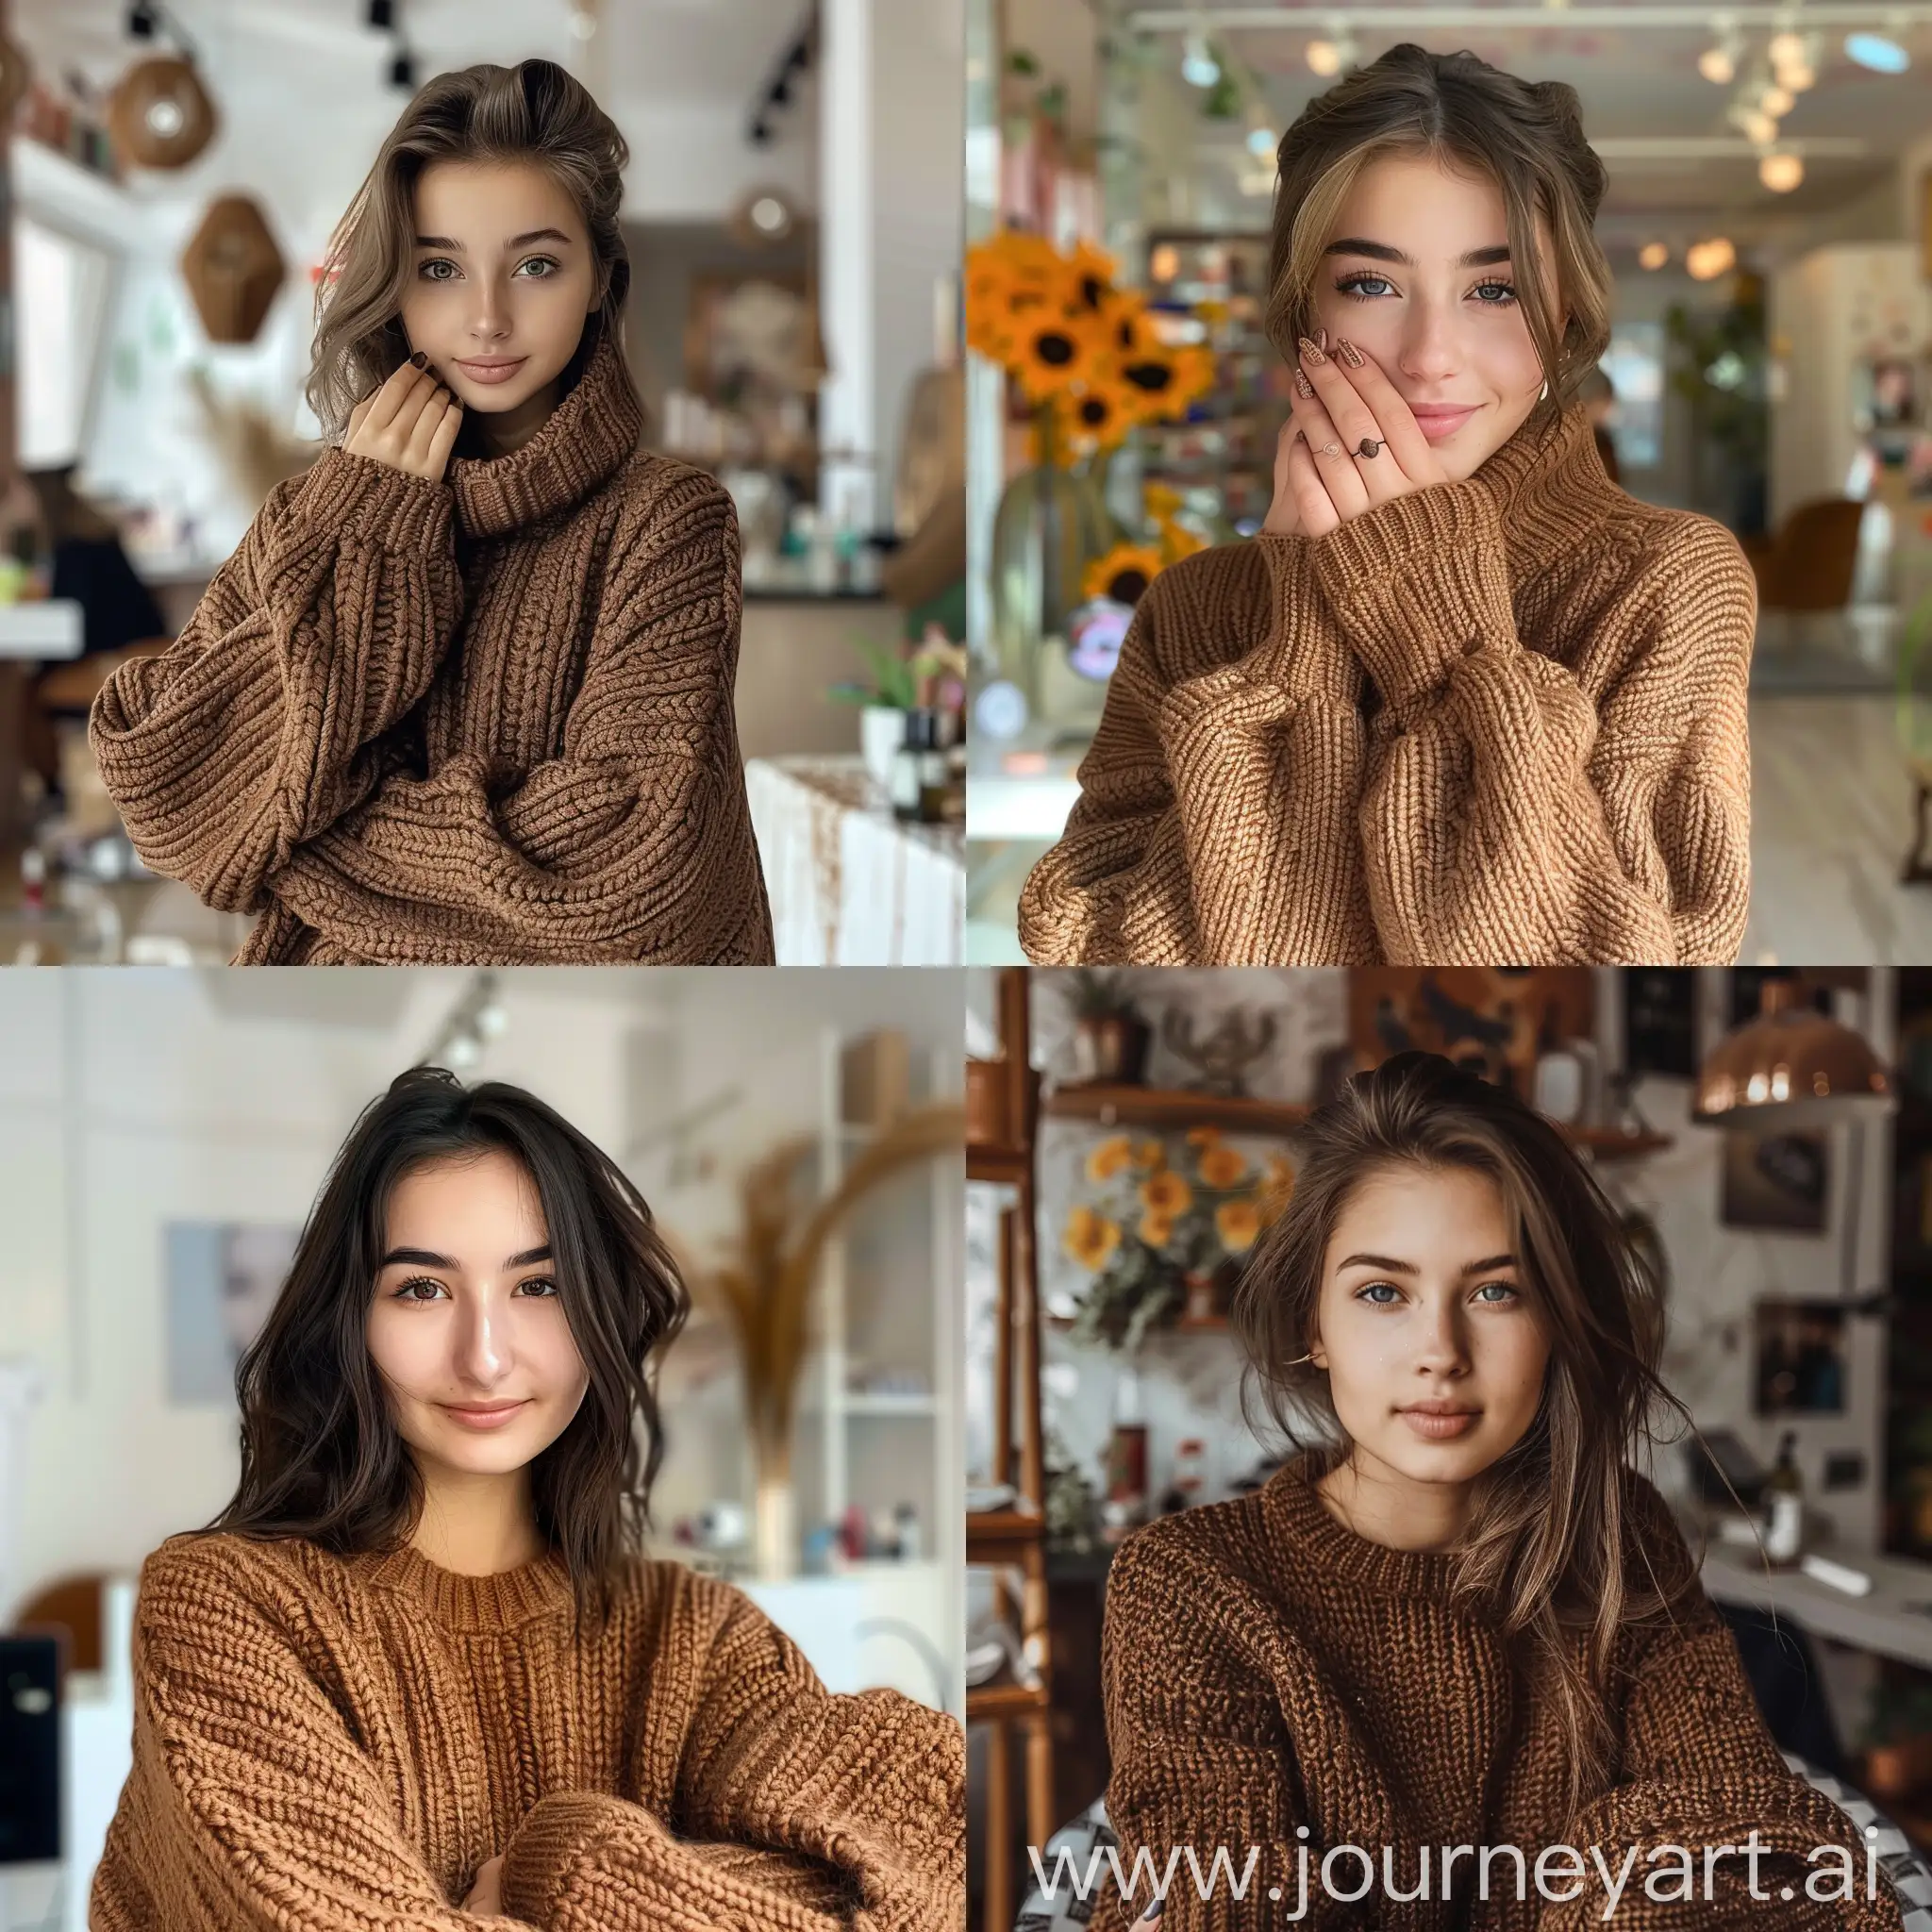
<point x="1321" y="337"/>
<point x="1349" y="353"/>
<point x="420" y="358"/>
<point x="1311" y="353"/>
<point x="1304" y="388"/>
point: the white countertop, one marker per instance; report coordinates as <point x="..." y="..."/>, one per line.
<point x="47" y="627"/>
<point x="1894" y="1620"/>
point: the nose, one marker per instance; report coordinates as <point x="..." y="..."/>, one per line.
<point x="1440" y="1348"/>
<point x="482" y="1349"/>
<point x="1430" y="353"/>
<point x="489" y="317"/>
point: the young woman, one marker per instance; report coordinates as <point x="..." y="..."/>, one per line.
<point x="464" y="693"/>
<point x="1457" y="1617"/>
<point x="417" y="1673"/>
<point x="1462" y="700"/>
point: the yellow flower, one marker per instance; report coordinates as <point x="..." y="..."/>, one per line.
<point x="1094" y="418"/>
<point x="1165" y="381"/>
<point x="1277" y="1189"/>
<point x="1204" y="1136"/>
<point x="1156" y="1230"/>
<point x="1092" y="271"/>
<point x="1091" y="1238"/>
<point x="1166" y="1194"/>
<point x="1123" y="573"/>
<point x="1237" y="1223"/>
<point x="1223" y="1167"/>
<point x="1053" y="349"/>
<point x="1149" y="1154"/>
<point x="1107" y="1161"/>
<point x="1177" y="540"/>
<point x="1161" y="501"/>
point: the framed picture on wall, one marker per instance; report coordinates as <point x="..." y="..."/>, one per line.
<point x="1775" y="1183"/>
<point x="1493" y="1019"/>
<point x="1799" y="1359"/>
<point x="1660" y="1021"/>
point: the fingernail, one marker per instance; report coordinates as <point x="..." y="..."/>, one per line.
<point x="1304" y="388"/>
<point x="420" y="358"/>
<point x="1311" y="353"/>
<point x="1349" y="353"/>
<point x="1321" y="337"/>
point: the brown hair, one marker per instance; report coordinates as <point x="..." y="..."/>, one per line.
<point x="321" y="1456"/>
<point x="534" y="112"/>
<point x="1546" y="1536"/>
<point x="1526" y="135"/>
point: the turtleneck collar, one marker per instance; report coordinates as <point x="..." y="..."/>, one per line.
<point x="1548" y="483"/>
<point x="538" y="1589"/>
<point x="1329" y="1549"/>
<point x="592" y="430"/>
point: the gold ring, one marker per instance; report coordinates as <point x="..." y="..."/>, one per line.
<point x="1331" y="449"/>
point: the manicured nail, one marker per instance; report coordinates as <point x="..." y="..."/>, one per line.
<point x="420" y="358"/>
<point x="1311" y="353"/>
<point x="1349" y="353"/>
<point x="1321" y="337"/>
<point x="1304" y="388"/>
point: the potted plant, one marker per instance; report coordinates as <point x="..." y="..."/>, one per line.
<point x="1110" y="1039"/>
<point x="1898" y="1741"/>
<point x="935" y="673"/>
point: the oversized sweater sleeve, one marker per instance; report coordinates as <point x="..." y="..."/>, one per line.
<point x="1215" y="821"/>
<point x="1516" y="808"/>
<point x="869" y="1788"/>
<point x="264" y="721"/>
<point x="634" y="845"/>
<point x="250" y="1807"/>
<point x="1700" y="1769"/>
<point x="1203" y="1756"/>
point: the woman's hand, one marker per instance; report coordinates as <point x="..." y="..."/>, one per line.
<point x="486" y="1894"/>
<point x="1345" y="407"/>
<point x="411" y="423"/>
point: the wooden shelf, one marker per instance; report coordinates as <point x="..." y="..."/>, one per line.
<point x="1009" y="1165"/>
<point x="999" y="1534"/>
<point x="1172" y="1107"/>
<point x="1157" y="1107"/>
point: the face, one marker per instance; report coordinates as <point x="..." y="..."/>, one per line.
<point x="1424" y="1303"/>
<point x="1418" y="276"/>
<point x="465" y="1324"/>
<point x="504" y="279"/>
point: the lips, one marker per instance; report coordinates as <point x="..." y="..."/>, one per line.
<point x="499" y="371"/>
<point x="490" y="1415"/>
<point x="1440" y="1408"/>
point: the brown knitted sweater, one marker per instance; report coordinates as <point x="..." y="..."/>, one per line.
<point x="1267" y="1670"/>
<point x="1495" y="721"/>
<point x="485" y="720"/>
<point x="325" y="1745"/>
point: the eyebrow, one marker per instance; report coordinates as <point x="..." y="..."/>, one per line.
<point x="1380" y="251"/>
<point x="449" y="241"/>
<point x="426" y="1258"/>
<point x="1395" y="1267"/>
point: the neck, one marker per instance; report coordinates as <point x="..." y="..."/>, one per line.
<point x="1382" y="1505"/>
<point x="478" y="1525"/>
<point x="499" y="435"/>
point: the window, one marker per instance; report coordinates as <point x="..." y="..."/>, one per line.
<point x="60" y="299"/>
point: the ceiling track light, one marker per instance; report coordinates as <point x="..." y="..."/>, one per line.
<point x="777" y="91"/>
<point x="148" y="20"/>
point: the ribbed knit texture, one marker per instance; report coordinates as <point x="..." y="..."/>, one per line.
<point x="325" y="1745"/>
<point x="1494" y="722"/>
<point x="1266" y="1668"/>
<point x="484" y="721"/>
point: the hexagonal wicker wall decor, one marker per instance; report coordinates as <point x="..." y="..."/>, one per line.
<point x="160" y="115"/>
<point x="233" y="269"/>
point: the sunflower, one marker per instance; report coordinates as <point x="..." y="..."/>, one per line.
<point x="1223" y="1168"/>
<point x="1008" y="277"/>
<point x="1165" y="381"/>
<point x="1204" y="1136"/>
<point x="1107" y="1161"/>
<point x="1054" y="348"/>
<point x="1149" y="1154"/>
<point x="1090" y="1238"/>
<point x="1092" y="271"/>
<point x="1156" y="1230"/>
<point x="1127" y="328"/>
<point x="1177" y="540"/>
<point x="1166" y="1194"/>
<point x="1237" y="1223"/>
<point x="1097" y="417"/>
<point x="1123" y="573"/>
<point x="1162" y="503"/>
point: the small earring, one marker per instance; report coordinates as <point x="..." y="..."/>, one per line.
<point x="1543" y="395"/>
<point x="1300" y="1358"/>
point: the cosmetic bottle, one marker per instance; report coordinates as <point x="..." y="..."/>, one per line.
<point x="1783" y="1506"/>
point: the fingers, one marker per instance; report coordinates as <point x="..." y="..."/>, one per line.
<point x="1412" y="449"/>
<point x="401" y="397"/>
<point x="435" y="436"/>
<point x="1313" y="504"/>
<point x="1347" y="420"/>
<point x="1329" y="449"/>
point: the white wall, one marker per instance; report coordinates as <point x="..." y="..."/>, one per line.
<point x="129" y="1098"/>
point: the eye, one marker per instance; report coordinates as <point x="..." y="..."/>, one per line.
<point x="544" y="262"/>
<point x="438" y="262"/>
<point x="1505" y="1291"/>
<point x="1507" y="290"/>
<point x="539" y="1286"/>
<point x="410" y="1291"/>
<point x="1357" y="288"/>
<point x="1362" y="1294"/>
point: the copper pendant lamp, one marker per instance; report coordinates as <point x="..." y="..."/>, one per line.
<point x="233" y="269"/>
<point x="160" y="115"/>
<point x="1790" y="1066"/>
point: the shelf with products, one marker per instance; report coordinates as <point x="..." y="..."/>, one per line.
<point x="1233" y="481"/>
